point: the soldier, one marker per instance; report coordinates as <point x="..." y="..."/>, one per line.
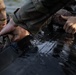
<point x="3" y="21"/>
<point x="33" y="14"/>
<point x="14" y="36"/>
<point x="9" y="50"/>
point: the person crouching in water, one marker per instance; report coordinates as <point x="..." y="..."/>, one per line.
<point x="15" y="35"/>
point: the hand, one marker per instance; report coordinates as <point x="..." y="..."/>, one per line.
<point x="70" y="25"/>
<point x="18" y="34"/>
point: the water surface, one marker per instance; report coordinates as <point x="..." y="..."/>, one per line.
<point x="12" y="5"/>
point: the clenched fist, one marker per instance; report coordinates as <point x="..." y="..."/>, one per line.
<point x="18" y="34"/>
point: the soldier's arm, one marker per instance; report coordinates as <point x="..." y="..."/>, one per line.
<point x="19" y="15"/>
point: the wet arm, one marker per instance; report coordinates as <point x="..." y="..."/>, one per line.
<point x="8" y="28"/>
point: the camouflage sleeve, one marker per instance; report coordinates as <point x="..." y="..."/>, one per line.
<point x="35" y="11"/>
<point x="16" y="16"/>
<point x="19" y="17"/>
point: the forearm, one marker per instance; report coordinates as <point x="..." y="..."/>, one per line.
<point x="8" y="28"/>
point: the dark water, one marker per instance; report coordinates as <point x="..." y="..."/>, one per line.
<point x="12" y="5"/>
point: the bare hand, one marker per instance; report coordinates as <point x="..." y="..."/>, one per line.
<point x="18" y="34"/>
<point x="70" y="25"/>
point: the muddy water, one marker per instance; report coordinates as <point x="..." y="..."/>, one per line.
<point x="12" y="5"/>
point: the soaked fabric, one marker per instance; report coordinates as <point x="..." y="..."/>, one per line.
<point x="35" y="12"/>
<point x="30" y="18"/>
<point x="4" y="40"/>
<point x="56" y="42"/>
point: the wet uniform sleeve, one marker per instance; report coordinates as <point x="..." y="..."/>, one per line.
<point x="16" y="16"/>
<point x="35" y="12"/>
<point x="29" y="17"/>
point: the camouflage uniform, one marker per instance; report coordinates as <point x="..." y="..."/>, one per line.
<point x="35" y="12"/>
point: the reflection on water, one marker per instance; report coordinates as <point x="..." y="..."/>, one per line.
<point x="12" y="5"/>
